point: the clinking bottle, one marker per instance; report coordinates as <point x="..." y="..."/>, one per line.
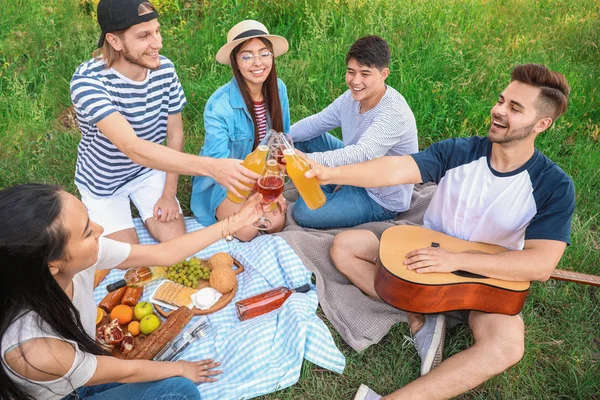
<point x="255" y="162"/>
<point x="136" y="277"/>
<point x="309" y="188"/>
<point x="265" y="302"/>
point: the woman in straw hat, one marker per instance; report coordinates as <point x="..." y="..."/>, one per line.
<point x="238" y="115"/>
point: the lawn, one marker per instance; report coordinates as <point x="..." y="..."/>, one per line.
<point x="450" y="59"/>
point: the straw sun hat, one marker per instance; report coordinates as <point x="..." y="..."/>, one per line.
<point x="247" y="30"/>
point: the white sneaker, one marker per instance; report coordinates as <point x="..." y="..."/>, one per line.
<point x="365" y="393"/>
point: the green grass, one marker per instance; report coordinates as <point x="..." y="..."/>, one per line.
<point x="450" y="61"/>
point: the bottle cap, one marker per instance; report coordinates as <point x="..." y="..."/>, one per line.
<point x="302" y="289"/>
<point x="117" y="285"/>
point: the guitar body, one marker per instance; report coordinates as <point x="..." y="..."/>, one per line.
<point x="440" y="292"/>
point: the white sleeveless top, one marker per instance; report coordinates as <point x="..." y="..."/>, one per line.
<point x="29" y="326"/>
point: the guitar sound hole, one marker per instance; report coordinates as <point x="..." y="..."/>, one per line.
<point x="471" y="275"/>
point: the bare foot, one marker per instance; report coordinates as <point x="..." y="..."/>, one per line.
<point x="415" y="322"/>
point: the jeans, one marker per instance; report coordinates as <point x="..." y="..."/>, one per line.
<point x="348" y="206"/>
<point x="176" y="388"/>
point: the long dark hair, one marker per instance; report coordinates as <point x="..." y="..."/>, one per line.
<point x="31" y="236"/>
<point x="270" y="91"/>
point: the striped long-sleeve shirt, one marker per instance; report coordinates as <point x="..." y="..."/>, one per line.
<point x="96" y="92"/>
<point x="388" y="129"/>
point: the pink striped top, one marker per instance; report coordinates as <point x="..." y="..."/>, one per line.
<point x="260" y="111"/>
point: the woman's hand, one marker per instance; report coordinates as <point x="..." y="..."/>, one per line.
<point x="251" y="210"/>
<point x="200" y="371"/>
<point x="281" y="203"/>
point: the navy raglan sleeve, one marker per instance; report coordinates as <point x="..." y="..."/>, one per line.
<point x="432" y="161"/>
<point x="553" y="219"/>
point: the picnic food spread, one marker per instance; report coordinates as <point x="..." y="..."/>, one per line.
<point x="144" y="336"/>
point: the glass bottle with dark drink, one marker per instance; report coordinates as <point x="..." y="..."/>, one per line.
<point x="265" y="302"/>
<point x="270" y="185"/>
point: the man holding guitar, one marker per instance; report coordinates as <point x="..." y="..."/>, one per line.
<point x="497" y="189"/>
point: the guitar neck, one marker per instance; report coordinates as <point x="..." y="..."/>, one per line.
<point x="576" y="277"/>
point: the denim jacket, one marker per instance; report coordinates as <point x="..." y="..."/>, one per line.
<point x="229" y="134"/>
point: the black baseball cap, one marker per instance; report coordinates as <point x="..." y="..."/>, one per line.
<point x="116" y="15"/>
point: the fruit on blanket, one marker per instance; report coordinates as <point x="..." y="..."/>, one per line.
<point x="223" y="279"/>
<point x="142" y="309"/>
<point x="99" y="315"/>
<point x="126" y="344"/>
<point x="149" y="324"/>
<point x="189" y="272"/>
<point x="123" y="313"/>
<point x="134" y="328"/>
<point x="113" y="333"/>
<point x="220" y="260"/>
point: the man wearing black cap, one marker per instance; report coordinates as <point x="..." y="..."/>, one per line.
<point x="128" y="100"/>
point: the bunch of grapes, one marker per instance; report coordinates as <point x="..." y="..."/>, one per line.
<point x="189" y="272"/>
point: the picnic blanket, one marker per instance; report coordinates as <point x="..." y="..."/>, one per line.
<point x="263" y="354"/>
<point x="360" y="320"/>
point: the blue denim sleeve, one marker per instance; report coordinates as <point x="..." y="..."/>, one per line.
<point x="285" y="105"/>
<point x="216" y="137"/>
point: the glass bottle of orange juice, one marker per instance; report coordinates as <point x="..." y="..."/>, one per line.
<point x="309" y="189"/>
<point x="255" y="162"/>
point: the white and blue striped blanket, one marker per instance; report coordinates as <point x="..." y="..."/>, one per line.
<point x="263" y="354"/>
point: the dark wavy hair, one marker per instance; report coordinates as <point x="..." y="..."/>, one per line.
<point x="31" y="236"/>
<point x="270" y="91"/>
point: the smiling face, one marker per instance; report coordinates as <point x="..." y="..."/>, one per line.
<point x="82" y="245"/>
<point x="515" y="117"/>
<point x="367" y="84"/>
<point x="257" y="68"/>
<point x="142" y="43"/>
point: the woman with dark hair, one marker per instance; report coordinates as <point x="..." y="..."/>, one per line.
<point x="238" y="115"/>
<point x="49" y="251"/>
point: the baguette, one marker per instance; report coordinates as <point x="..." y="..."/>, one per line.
<point x="112" y="299"/>
<point x="132" y="296"/>
<point x="149" y="347"/>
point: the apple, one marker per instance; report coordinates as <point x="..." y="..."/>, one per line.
<point x="149" y="323"/>
<point x="142" y="309"/>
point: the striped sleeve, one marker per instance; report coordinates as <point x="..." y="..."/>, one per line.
<point x="90" y="98"/>
<point x="318" y="124"/>
<point x="393" y="125"/>
<point x="177" y="98"/>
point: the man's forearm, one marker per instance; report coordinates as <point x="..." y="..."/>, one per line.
<point x="163" y="158"/>
<point x="383" y="171"/>
<point x="517" y="265"/>
<point x="175" y="142"/>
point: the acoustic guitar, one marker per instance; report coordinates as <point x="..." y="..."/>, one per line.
<point x="440" y="292"/>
